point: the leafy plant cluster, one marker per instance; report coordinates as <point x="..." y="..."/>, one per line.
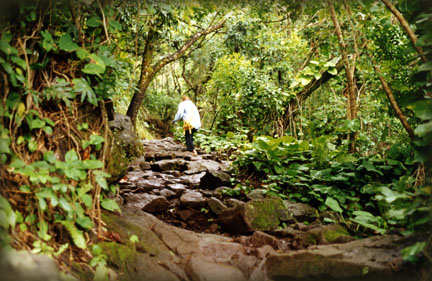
<point x="370" y="191"/>
<point x="58" y="70"/>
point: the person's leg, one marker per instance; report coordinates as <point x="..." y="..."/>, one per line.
<point x="189" y="140"/>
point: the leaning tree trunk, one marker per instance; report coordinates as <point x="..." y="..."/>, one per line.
<point x="352" y="107"/>
<point x="151" y="70"/>
<point x="392" y="100"/>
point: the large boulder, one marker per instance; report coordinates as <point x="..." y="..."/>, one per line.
<point x="22" y="265"/>
<point x="124" y="146"/>
<point x="302" y="212"/>
<point x="213" y="179"/>
<point x="374" y="258"/>
<point x="260" y="214"/>
<point x="146" y="202"/>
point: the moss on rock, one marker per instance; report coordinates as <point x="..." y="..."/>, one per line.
<point x="266" y="214"/>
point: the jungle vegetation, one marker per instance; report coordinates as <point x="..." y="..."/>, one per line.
<point x="323" y="102"/>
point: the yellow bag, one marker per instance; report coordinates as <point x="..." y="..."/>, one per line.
<point x="187" y="127"/>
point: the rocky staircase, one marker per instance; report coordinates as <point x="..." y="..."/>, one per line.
<point x="189" y="229"/>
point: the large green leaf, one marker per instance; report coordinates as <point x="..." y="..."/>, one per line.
<point x="333" y="204"/>
<point x="423" y="129"/>
<point x="67" y="44"/>
<point x="426" y="66"/>
<point x="422" y="109"/>
<point x="110" y="205"/>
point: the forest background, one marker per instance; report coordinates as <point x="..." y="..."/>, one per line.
<point x="327" y="103"/>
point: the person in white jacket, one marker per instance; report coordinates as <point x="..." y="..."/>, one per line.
<point x="188" y="112"/>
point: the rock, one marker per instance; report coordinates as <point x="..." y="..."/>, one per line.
<point x="301" y="212"/>
<point x="260" y="214"/>
<point x="194" y="167"/>
<point x="167" y="193"/>
<point x="215" y="205"/>
<point x="150" y="184"/>
<point x="256" y="194"/>
<point x="194" y="179"/>
<point x="221" y="189"/>
<point x="374" y="258"/>
<point x="124" y="146"/>
<point x="193" y="199"/>
<point x="23" y="265"/>
<point x="329" y="234"/>
<point x="201" y="268"/>
<point x="178" y="188"/>
<point x="147" y="202"/>
<point x="144" y="165"/>
<point x="213" y="179"/>
<point x="168" y="164"/>
<point x="259" y="239"/>
<point x="232" y="202"/>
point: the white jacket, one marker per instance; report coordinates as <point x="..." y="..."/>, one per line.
<point x="187" y="111"/>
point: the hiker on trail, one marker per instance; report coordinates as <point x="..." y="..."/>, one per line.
<point x="188" y="112"/>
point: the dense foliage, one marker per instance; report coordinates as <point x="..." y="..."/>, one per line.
<point x="271" y="85"/>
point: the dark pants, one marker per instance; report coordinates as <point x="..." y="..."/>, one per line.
<point x="189" y="139"/>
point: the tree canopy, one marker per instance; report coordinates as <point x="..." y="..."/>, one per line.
<point x="324" y="102"/>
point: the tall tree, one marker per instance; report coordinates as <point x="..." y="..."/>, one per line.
<point x="352" y="107"/>
<point x="149" y="70"/>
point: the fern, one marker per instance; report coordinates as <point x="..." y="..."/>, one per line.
<point x="77" y="235"/>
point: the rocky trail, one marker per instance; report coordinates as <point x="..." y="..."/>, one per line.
<point x="189" y="229"/>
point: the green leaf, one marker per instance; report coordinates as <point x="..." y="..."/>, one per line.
<point x="94" y="69"/>
<point x="70" y="156"/>
<point x="81" y="86"/>
<point x="19" y="61"/>
<point x="4" y="145"/>
<point x="426" y="66"/>
<point x="35" y="123"/>
<point x="94" y="21"/>
<point x="9" y="216"/>
<point x="43" y="231"/>
<point x="110" y="205"/>
<point x="48" y="41"/>
<point x="390" y="195"/>
<point x="66" y="43"/>
<point x="423" y="129"/>
<point x="7" y="49"/>
<point x="333" y="204"/>
<point x="61" y="249"/>
<point x="85" y="222"/>
<point x="409" y="253"/>
<point x="115" y="24"/>
<point x="93" y="164"/>
<point x="64" y="204"/>
<point x="32" y="145"/>
<point x="422" y="109"/>
<point x="134" y="239"/>
<point x="332" y="71"/>
<point x="76" y="234"/>
<point x="87" y="200"/>
<point x="7" y="36"/>
<point x="82" y="53"/>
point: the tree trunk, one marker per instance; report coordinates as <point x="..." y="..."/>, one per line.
<point x="393" y="101"/>
<point x="145" y="78"/>
<point x="352" y="111"/>
<point x="149" y="71"/>
<point x="314" y="84"/>
<point x="407" y="28"/>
